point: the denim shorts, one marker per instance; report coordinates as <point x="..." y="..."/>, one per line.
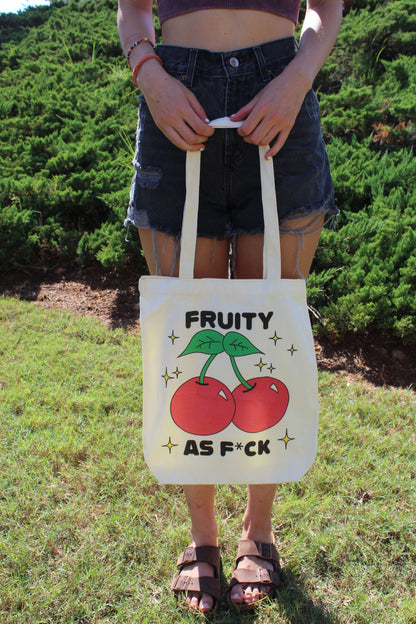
<point x="230" y="193"/>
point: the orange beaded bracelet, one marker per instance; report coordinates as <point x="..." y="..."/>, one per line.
<point x="143" y="60"/>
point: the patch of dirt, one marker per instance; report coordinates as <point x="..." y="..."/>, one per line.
<point x="113" y="299"/>
<point x="373" y="359"/>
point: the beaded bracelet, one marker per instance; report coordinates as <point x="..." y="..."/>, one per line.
<point x="143" y="60"/>
<point x="135" y="44"/>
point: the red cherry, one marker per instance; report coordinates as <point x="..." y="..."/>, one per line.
<point x="261" y="407"/>
<point x="202" y="409"/>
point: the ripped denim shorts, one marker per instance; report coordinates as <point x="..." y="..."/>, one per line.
<point x="230" y="191"/>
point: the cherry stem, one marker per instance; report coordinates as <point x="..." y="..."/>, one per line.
<point x="205" y="368"/>
<point x="239" y="375"/>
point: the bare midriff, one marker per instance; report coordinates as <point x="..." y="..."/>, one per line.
<point x="222" y="30"/>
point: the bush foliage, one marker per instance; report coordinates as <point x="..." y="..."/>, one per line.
<point x="67" y="106"/>
<point x="68" y="117"/>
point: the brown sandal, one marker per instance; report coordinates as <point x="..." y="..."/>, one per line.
<point x="204" y="584"/>
<point x="261" y="576"/>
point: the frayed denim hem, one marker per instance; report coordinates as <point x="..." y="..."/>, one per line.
<point x="140" y="220"/>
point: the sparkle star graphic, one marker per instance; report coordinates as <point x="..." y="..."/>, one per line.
<point x="286" y="440"/>
<point x="169" y="445"/>
<point x="260" y="364"/>
<point x="275" y="338"/>
<point x="238" y="446"/>
<point x="177" y="372"/>
<point x="166" y="377"/>
<point x="173" y="337"/>
<point x="291" y="350"/>
<point x="271" y="368"/>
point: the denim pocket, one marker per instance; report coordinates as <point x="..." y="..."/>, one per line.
<point x="275" y="67"/>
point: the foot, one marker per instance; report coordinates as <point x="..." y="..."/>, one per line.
<point x="198" y="600"/>
<point x="198" y="580"/>
<point x="256" y="562"/>
<point x="250" y="593"/>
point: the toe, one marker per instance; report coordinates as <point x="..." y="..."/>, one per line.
<point x="248" y="594"/>
<point x="255" y="594"/>
<point x="237" y="594"/>
<point x="192" y="601"/>
<point x="206" y="603"/>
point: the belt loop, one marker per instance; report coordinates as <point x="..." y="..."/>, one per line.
<point x="190" y="72"/>
<point x="261" y="62"/>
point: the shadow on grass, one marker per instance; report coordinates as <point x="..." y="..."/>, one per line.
<point x="292" y="604"/>
<point x="298" y="605"/>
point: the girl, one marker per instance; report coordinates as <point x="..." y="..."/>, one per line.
<point x="234" y="58"/>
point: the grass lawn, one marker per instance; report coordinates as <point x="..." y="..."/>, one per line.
<point x="87" y="536"/>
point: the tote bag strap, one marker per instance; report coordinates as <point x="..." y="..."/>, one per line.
<point x="271" y="248"/>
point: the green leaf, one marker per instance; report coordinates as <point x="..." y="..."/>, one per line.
<point x="236" y="344"/>
<point x="206" y="341"/>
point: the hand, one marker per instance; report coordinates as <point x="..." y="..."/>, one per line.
<point x="174" y="108"/>
<point x="272" y="112"/>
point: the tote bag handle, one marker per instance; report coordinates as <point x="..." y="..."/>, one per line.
<point x="271" y="247"/>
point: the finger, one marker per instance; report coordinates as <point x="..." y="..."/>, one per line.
<point x="269" y="136"/>
<point x="188" y="134"/>
<point x="198" y="119"/>
<point x="244" y="111"/>
<point x="175" y="138"/>
<point x="200" y="127"/>
<point x="278" y="144"/>
<point x="262" y="134"/>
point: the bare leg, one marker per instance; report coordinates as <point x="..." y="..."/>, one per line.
<point x="297" y="251"/>
<point x="211" y="256"/>
<point x="204" y="531"/>
<point x="211" y="260"/>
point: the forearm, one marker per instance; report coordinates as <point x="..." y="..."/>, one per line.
<point x="135" y="22"/>
<point x="319" y="32"/>
<point x="175" y="109"/>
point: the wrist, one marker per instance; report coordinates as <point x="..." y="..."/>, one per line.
<point x="145" y="42"/>
<point x="145" y="72"/>
<point x="300" y="74"/>
<point x="137" y="53"/>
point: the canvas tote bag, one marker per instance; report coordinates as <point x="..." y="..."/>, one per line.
<point x="229" y="368"/>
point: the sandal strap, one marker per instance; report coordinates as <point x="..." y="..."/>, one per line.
<point x="202" y="585"/>
<point x="262" y="550"/>
<point x="260" y="575"/>
<point x="258" y="549"/>
<point x="206" y="554"/>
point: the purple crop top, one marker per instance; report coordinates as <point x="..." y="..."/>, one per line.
<point x="284" y="8"/>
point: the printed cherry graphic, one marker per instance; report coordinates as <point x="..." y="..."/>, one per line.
<point x="260" y="403"/>
<point x="261" y="406"/>
<point x="202" y="409"/>
<point x="203" y="405"/>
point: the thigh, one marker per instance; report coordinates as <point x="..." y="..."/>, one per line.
<point x="298" y="242"/>
<point x="162" y="254"/>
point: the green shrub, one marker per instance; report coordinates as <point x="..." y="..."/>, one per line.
<point x="67" y="125"/>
